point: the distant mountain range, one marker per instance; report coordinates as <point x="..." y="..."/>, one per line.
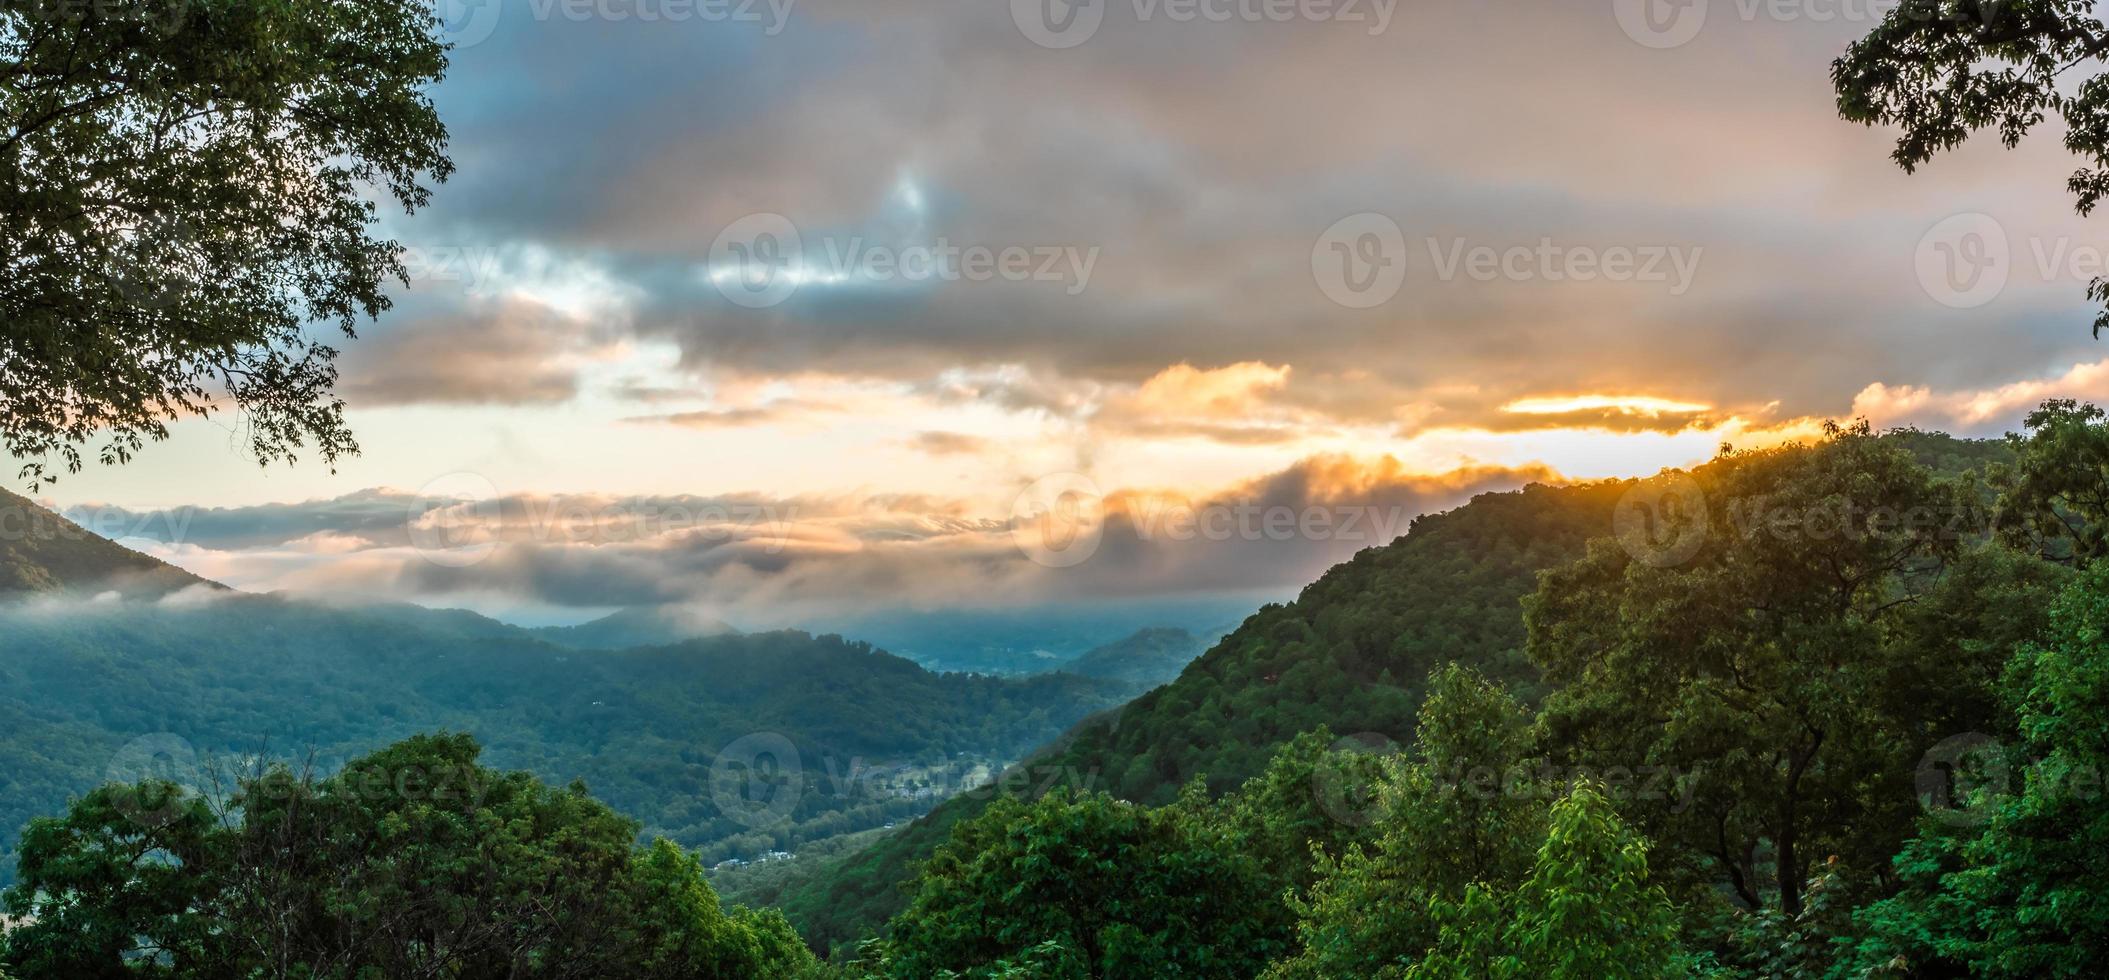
<point x="643" y="626"/>
<point x="1033" y="639"/>
<point x="115" y="666"/>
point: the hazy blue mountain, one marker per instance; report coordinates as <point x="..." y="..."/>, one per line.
<point x="1009" y="642"/>
<point x="1147" y="659"/>
<point x="642" y="626"/>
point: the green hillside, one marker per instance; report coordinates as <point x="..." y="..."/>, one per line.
<point x="41" y="552"/>
<point x="1351" y="653"/>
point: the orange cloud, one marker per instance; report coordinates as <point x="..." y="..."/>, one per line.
<point x="1238" y="404"/>
<point x="1623" y="404"/>
<point x="2003" y="406"/>
<point x="1184" y="390"/>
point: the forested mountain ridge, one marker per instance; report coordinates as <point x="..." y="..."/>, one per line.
<point x="1825" y="709"/>
<point x="1352" y="654"/>
<point x="1355" y="650"/>
<point x="44" y="553"/>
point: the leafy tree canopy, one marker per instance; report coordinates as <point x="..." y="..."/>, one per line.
<point x="2024" y="892"/>
<point x="1588" y="909"/>
<point x="1764" y="672"/>
<point x="1087" y="886"/>
<point x="1941" y="70"/>
<point x="412" y="862"/>
<point x="2055" y="494"/>
<point x="184" y="189"/>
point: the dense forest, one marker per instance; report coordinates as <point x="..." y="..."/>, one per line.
<point x="414" y="861"/>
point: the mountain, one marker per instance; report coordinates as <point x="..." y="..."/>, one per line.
<point x="1030" y="640"/>
<point x="1147" y="659"/>
<point x="1352" y="653"/>
<point x="736" y="745"/>
<point x="641" y="626"/>
<point x="41" y="552"/>
<point x="95" y="691"/>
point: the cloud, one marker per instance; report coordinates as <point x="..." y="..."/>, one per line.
<point x="750" y="559"/>
<point x="949" y="444"/>
<point x="512" y="352"/>
<point x="1239" y="404"/>
<point x="775" y="413"/>
<point x="1983" y="411"/>
<point x="1609" y="413"/>
<point x="1200" y="162"/>
<point x="1197" y="165"/>
<point x="1225" y="392"/>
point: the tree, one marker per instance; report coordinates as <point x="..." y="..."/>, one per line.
<point x="183" y="190"/>
<point x="1762" y="671"/>
<point x="1468" y="806"/>
<point x="2055" y="495"/>
<point x="1588" y="909"/>
<point x="412" y="862"/>
<point x="1943" y="69"/>
<point x="121" y="873"/>
<point x="1311" y="795"/>
<point x="1086" y="886"/>
<point x="2026" y="894"/>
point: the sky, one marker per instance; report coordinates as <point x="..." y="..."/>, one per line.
<point x="774" y="308"/>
